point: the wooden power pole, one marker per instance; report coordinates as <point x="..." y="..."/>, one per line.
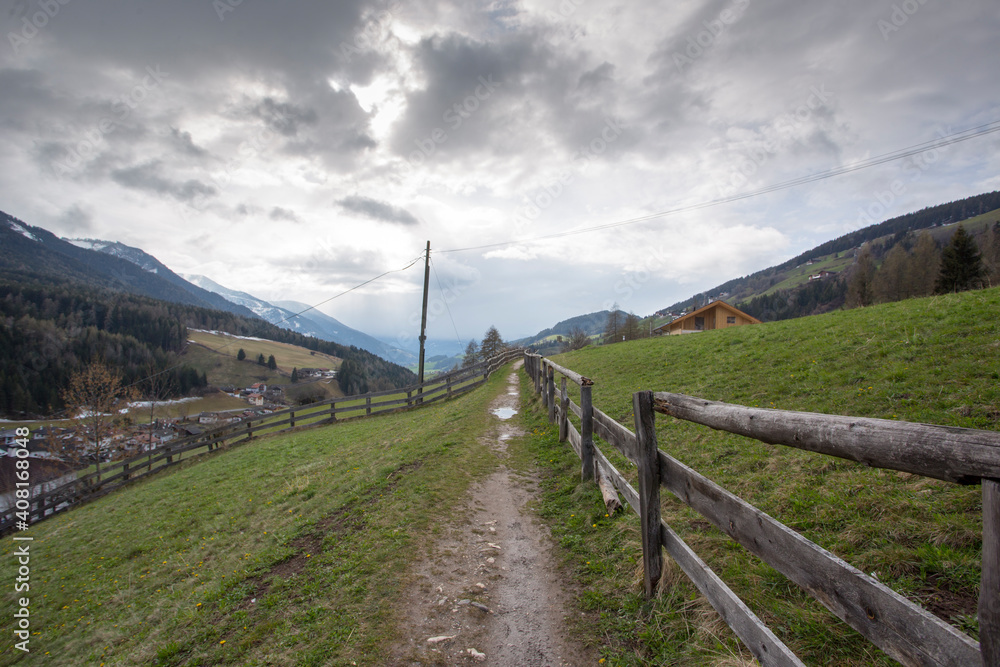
<point x="423" y="320"/>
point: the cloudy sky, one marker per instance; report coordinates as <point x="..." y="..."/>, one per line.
<point x="294" y="150"/>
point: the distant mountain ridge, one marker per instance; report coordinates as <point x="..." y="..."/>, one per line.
<point x="312" y="322"/>
<point x="28" y="252"/>
<point x="743" y="289"/>
<point x="150" y="264"/>
<point x="592" y="324"/>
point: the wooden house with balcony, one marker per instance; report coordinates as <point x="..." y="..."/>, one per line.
<point x="716" y="315"/>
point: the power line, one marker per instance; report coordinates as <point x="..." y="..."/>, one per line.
<point x="294" y="315"/>
<point x="447" y="308"/>
<point x="941" y="142"/>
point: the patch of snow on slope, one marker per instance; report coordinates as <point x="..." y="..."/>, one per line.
<point x="22" y="231"/>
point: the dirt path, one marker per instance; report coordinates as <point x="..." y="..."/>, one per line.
<point x="488" y="591"/>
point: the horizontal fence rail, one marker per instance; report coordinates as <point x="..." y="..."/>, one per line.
<point x="117" y="474"/>
<point x="902" y="629"/>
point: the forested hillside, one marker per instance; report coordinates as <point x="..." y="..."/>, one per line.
<point x="49" y="330"/>
<point x="760" y="283"/>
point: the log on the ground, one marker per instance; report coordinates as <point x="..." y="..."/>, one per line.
<point x="608" y="490"/>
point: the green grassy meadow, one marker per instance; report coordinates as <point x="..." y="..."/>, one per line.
<point x="293" y="549"/>
<point x="934" y="360"/>
<point x="288" y="550"/>
<point x="287" y="356"/>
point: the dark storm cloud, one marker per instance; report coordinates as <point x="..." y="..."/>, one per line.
<point x="183" y="142"/>
<point x="95" y="52"/>
<point x="601" y="74"/>
<point x="377" y="210"/>
<point x="75" y="220"/>
<point x="147" y="177"/>
<point x="329" y="263"/>
<point x="279" y="213"/>
<point x="503" y="97"/>
<point x="283" y="117"/>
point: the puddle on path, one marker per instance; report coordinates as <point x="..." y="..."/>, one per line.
<point x="504" y="413"/>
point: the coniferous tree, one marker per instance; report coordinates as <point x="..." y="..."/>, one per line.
<point x="295" y="375"/>
<point x="492" y="344"/>
<point x="272" y="364"/>
<point x="260" y="360"/>
<point x="241" y="355"/>
<point x="471" y="354"/>
<point x="961" y="265"/>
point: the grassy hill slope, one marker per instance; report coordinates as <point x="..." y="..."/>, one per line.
<point x="286" y="355"/>
<point x="934" y="360"/>
<point x="287" y="550"/>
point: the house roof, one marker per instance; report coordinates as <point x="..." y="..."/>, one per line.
<point x="704" y="309"/>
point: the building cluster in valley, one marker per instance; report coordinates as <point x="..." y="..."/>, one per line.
<point x="55" y="450"/>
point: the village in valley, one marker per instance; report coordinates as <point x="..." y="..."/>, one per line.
<point x="57" y="451"/>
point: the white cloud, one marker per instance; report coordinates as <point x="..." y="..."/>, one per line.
<point x="272" y="115"/>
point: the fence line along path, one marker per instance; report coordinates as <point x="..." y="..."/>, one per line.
<point x="902" y="629"/>
<point x="117" y="474"/>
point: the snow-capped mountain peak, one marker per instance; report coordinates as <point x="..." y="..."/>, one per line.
<point x="137" y="256"/>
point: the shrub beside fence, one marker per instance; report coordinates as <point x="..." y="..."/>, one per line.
<point x="902" y="629"/>
<point x="117" y="474"/>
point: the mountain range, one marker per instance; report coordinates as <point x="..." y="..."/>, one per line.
<point x="306" y="320"/>
<point x="28" y="252"/>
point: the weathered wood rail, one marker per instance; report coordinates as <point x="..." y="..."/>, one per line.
<point x="902" y="629"/>
<point x="117" y="474"/>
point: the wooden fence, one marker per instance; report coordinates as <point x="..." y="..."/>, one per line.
<point x="902" y="629"/>
<point x="117" y="474"/>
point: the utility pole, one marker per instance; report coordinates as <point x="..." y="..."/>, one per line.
<point x="423" y="322"/>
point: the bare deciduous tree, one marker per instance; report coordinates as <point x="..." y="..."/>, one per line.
<point x="97" y="397"/>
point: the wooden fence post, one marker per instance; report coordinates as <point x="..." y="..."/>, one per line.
<point x="333" y="409"/>
<point x="447" y="383"/>
<point x="649" y="489"/>
<point x="125" y="470"/>
<point x="538" y="375"/>
<point x="586" y="433"/>
<point x="563" y="412"/>
<point x="291" y="419"/>
<point x="551" y="387"/>
<point x="989" y="589"/>
<point x="368" y="406"/>
<point x="543" y="390"/>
